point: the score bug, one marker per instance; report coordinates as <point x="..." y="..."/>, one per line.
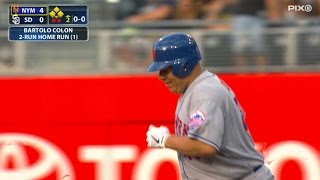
<point x="48" y="15"/>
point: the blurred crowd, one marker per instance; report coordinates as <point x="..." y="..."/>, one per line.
<point x="138" y="11"/>
<point x="245" y="19"/>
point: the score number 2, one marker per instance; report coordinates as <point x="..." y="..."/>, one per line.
<point x="68" y="18"/>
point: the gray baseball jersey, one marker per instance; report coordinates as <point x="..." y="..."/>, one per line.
<point x="209" y="112"/>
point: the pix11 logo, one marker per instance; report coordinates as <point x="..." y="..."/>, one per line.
<point x="297" y="8"/>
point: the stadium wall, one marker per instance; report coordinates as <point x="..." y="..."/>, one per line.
<point x="93" y="127"/>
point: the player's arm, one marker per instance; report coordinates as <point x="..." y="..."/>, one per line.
<point x="189" y="147"/>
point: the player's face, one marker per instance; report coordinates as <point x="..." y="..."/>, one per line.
<point x="173" y="83"/>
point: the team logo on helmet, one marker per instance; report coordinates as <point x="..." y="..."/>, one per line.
<point x="154" y="54"/>
<point x="196" y="120"/>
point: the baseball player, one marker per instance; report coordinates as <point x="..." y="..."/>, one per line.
<point x="211" y="137"/>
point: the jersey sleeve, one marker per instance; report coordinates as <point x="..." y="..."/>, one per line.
<point x="206" y="122"/>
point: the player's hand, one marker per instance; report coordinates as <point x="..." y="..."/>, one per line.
<point x="157" y="136"/>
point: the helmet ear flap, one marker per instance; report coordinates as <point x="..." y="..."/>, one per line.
<point x="183" y="69"/>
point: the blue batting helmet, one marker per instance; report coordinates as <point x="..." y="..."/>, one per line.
<point x="178" y="50"/>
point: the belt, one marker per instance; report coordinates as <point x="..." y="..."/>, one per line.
<point x="257" y="168"/>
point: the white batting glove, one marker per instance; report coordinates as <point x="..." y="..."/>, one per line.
<point x="157" y="136"/>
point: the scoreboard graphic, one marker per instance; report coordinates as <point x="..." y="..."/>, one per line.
<point x="48" y="23"/>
